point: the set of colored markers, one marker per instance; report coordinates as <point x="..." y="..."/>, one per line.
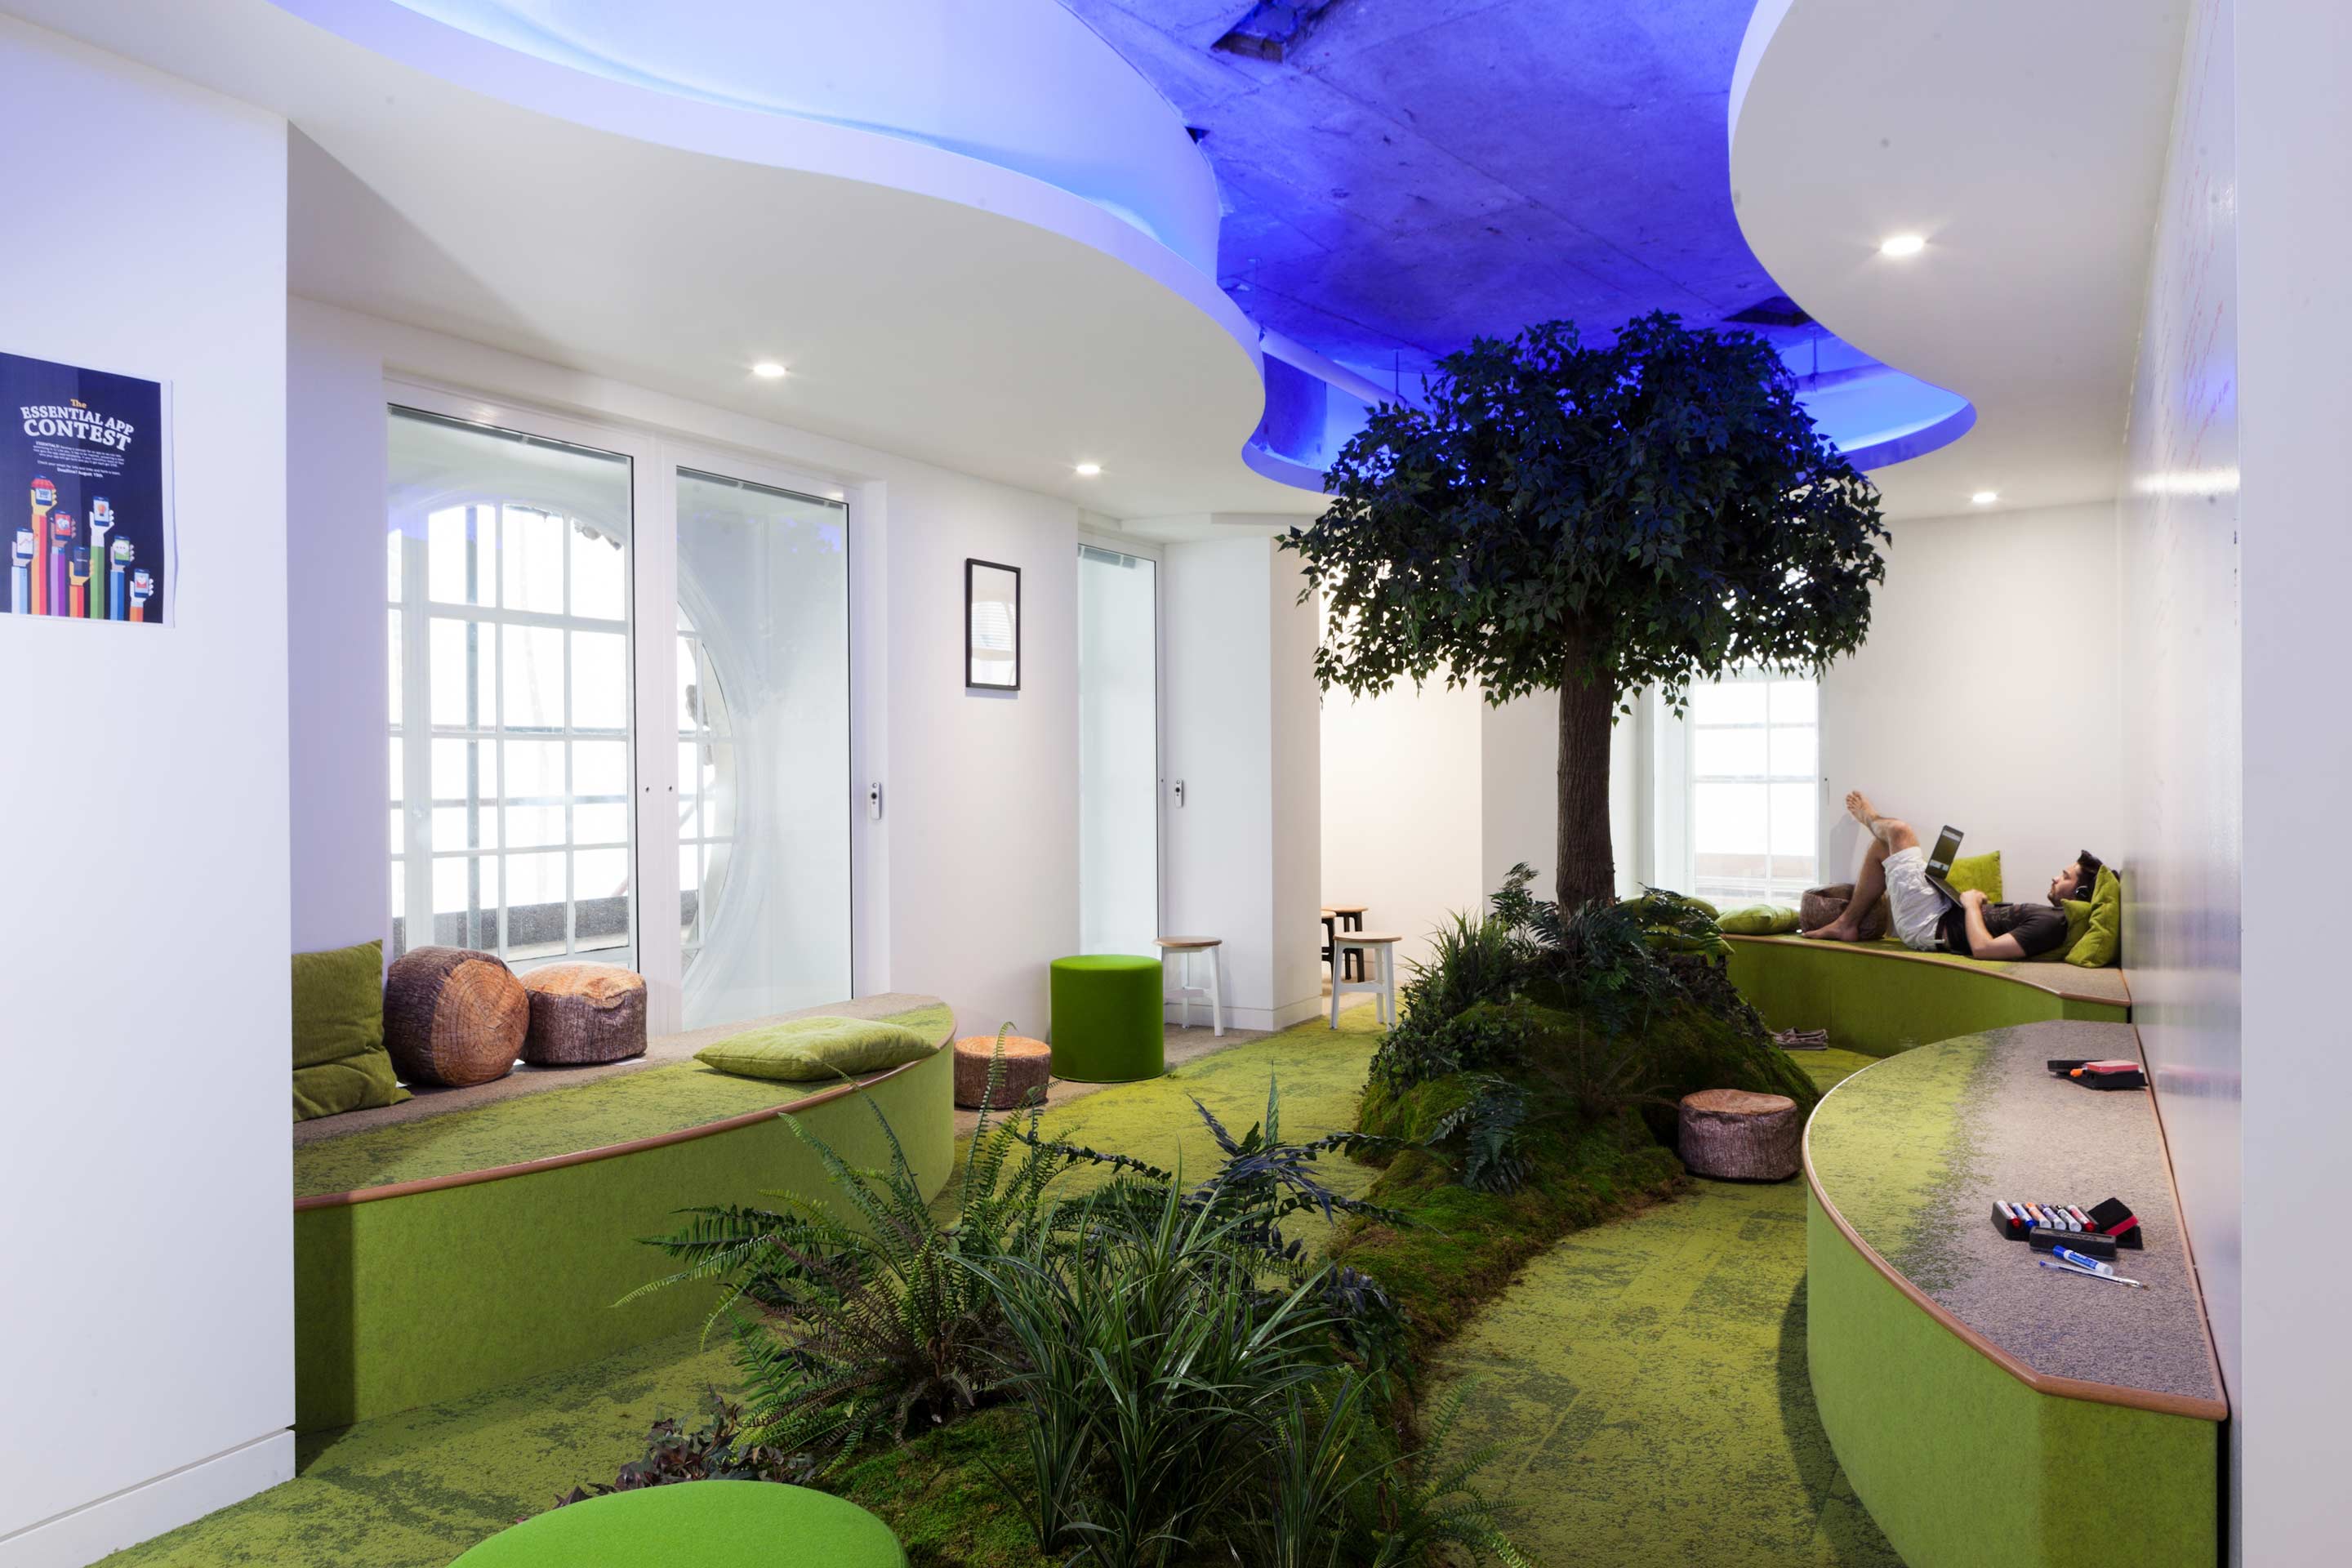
<point x="52" y="565"/>
<point x="2078" y="1241"/>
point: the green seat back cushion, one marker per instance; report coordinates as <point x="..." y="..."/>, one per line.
<point x="340" y="1063"/>
<point x="1757" y="920"/>
<point x="808" y="1050"/>
<point x="1981" y="872"/>
<point x="2102" y="942"/>
<point x="710" y="1524"/>
<point x="2078" y="921"/>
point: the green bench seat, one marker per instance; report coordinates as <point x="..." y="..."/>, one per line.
<point x="1881" y="997"/>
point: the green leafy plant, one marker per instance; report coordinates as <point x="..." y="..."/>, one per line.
<point x="714" y="1451"/>
<point x="1594" y="519"/>
<point x="1431" y="1509"/>
<point x="861" y="1324"/>
<point x="1489" y="1124"/>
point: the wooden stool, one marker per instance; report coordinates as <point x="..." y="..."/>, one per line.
<point x="1186" y="947"/>
<point x="1028" y="1066"/>
<point x="1736" y="1136"/>
<point x="1338" y="918"/>
<point x="1374" y="952"/>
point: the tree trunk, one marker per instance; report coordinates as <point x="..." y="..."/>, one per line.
<point x="1584" y="869"/>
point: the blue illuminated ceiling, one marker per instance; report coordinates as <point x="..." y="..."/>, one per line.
<point x="1401" y="175"/>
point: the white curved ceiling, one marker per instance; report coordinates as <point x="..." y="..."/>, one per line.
<point x="926" y="302"/>
<point x="2024" y="142"/>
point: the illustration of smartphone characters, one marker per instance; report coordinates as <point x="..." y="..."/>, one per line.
<point x="78" y="579"/>
<point x="143" y="588"/>
<point x="62" y="543"/>
<point x="44" y="501"/>
<point x="20" y="573"/>
<point x="101" y="523"/>
<point x="118" y="581"/>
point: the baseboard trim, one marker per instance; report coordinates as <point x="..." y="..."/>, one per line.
<point x="81" y="1535"/>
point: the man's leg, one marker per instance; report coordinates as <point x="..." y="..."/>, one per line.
<point x="1888" y="835"/>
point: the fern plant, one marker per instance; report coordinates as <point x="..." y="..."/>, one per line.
<point x="864" y="1324"/>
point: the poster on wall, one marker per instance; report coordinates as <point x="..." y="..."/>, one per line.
<point x="87" y="452"/>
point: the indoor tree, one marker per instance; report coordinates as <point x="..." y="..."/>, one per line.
<point x="1594" y="521"/>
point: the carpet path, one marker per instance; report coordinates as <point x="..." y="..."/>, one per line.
<point x="1644" y="1385"/>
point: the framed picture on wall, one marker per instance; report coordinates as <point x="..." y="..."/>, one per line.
<point x="991" y="625"/>
<point x="88" y="453"/>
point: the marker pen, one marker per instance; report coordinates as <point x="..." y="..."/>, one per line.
<point x="20" y="573"/>
<point x="62" y="543"/>
<point x="45" y="500"/>
<point x="118" y="580"/>
<point x="2082" y="1261"/>
<point x="2086" y="1274"/>
<point x="142" y="587"/>
<point x="78" y="582"/>
<point x="101" y="523"/>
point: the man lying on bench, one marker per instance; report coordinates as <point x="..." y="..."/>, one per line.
<point x="1927" y="922"/>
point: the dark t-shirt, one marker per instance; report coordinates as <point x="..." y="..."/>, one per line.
<point x="2038" y="928"/>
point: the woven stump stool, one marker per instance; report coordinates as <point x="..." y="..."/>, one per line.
<point x="1028" y="1064"/>
<point x="1107" y="1018"/>
<point x="1736" y="1136"/>
<point x="453" y="1016"/>
<point x="582" y="1013"/>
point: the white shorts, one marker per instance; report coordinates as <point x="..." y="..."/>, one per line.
<point x="1918" y="908"/>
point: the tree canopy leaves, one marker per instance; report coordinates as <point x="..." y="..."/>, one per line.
<point x="1644" y="513"/>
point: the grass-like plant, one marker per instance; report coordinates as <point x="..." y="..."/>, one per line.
<point x="855" y="1317"/>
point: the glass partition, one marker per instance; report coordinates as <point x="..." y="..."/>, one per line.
<point x="1119" y="752"/>
<point x="761" y="711"/>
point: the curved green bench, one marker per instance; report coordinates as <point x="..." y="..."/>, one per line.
<point x="436" y="1257"/>
<point x="1987" y="1411"/>
<point x="1880" y="997"/>
<point x="710" y="1524"/>
<point x="1107" y="1023"/>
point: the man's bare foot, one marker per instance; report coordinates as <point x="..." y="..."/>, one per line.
<point x="1858" y="806"/>
<point x="1836" y="931"/>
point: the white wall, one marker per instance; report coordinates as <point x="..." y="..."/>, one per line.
<point x="968" y="886"/>
<point x="1986" y="694"/>
<point x="1401" y="808"/>
<point x="2294" y="126"/>
<point x="1242" y="850"/>
<point x="147" y="1237"/>
<point x="2178" y="560"/>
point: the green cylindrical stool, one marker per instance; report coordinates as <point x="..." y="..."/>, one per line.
<point x="711" y="1524"/>
<point x="1107" y="1013"/>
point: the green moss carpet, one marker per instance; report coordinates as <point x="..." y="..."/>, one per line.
<point x="1645" y="1378"/>
<point x="1645" y="1384"/>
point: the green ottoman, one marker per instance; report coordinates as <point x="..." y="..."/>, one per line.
<point x="1107" y="1012"/>
<point x="711" y="1524"/>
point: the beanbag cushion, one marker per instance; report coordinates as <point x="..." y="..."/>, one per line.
<point x="2103" y="941"/>
<point x="807" y="1050"/>
<point x="340" y="1063"/>
<point x="1759" y="919"/>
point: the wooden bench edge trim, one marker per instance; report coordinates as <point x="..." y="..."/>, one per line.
<point x="609" y="1151"/>
<point x="2189" y="1405"/>
<point x="1871" y="950"/>
<point x="2188" y="1242"/>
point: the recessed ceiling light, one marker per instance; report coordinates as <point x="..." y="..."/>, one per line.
<point x="1985" y="498"/>
<point x="1901" y="245"/>
<point x="767" y="370"/>
<point x="1089" y="470"/>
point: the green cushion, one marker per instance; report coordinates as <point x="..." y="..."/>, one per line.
<point x="1981" y="872"/>
<point x="1107" y="1016"/>
<point x="2103" y="941"/>
<point x="339" y="1062"/>
<point x="2078" y="921"/>
<point x="1759" y="919"/>
<point x="804" y="1050"/>
<point x="710" y="1524"/>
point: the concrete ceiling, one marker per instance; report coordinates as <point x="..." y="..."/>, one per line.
<point x="1418" y="172"/>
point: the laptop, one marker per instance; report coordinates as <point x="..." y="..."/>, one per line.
<point x="1940" y="864"/>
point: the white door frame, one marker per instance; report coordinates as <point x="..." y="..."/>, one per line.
<point x="1149" y="550"/>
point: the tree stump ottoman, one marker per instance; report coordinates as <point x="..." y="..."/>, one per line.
<point x="452" y="1017"/>
<point x="1736" y="1136"/>
<point x="1820" y="906"/>
<point x="1028" y="1064"/>
<point x="583" y="1013"/>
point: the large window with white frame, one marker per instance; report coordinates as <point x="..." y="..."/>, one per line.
<point x="512" y="649"/>
<point x="1739" y="789"/>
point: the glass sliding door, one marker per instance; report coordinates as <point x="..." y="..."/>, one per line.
<point x="1118" y="752"/>
<point x="509" y="589"/>
<point x="761" y="714"/>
